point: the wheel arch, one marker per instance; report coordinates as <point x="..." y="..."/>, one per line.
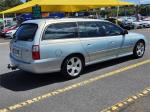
<point x="134" y="50"/>
<point x="141" y="40"/>
<point x="74" y="54"/>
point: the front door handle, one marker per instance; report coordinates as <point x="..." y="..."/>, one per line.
<point x="88" y="44"/>
<point x="112" y="42"/>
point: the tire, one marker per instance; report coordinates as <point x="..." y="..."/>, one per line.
<point x="139" y="49"/>
<point x="72" y="67"/>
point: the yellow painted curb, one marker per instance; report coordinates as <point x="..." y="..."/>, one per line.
<point x="123" y="104"/>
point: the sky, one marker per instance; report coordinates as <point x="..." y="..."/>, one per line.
<point x="135" y="1"/>
<point x="23" y="0"/>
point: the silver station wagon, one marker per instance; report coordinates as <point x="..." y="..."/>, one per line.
<point x="70" y="44"/>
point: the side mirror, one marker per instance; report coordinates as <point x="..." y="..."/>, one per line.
<point x="125" y="32"/>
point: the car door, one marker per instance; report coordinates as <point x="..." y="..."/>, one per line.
<point x="101" y="40"/>
<point x="94" y="41"/>
<point x="115" y="38"/>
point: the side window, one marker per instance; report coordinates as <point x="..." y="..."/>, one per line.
<point x="90" y="29"/>
<point x="60" y="31"/>
<point x="111" y="29"/>
<point x="82" y="30"/>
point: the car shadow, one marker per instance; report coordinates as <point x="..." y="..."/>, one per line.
<point x="22" y="81"/>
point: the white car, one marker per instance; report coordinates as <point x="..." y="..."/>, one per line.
<point x="146" y="23"/>
<point x="129" y="19"/>
<point x="10" y="33"/>
<point x="141" y="24"/>
<point x="138" y="24"/>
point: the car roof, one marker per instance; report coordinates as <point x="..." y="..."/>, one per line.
<point x="38" y="21"/>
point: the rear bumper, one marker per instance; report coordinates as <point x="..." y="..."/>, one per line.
<point x="40" y="66"/>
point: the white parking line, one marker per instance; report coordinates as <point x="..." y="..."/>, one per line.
<point x="4" y="43"/>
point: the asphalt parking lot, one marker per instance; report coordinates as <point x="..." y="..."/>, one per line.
<point x="100" y="87"/>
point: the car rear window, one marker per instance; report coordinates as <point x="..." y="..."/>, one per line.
<point x="26" y="32"/>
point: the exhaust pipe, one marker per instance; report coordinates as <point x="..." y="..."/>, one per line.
<point x="12" y="67"/>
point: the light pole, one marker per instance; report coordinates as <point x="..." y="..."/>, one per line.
<point x="138" y="6"/>
<point x="137" y="9"/>
<point x="118" y="8"/>
<point x="3" y="21"/>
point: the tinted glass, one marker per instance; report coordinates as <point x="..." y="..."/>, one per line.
<point x="111" y="29"/>
<point x="90" y="29"/>
<point x="26" y="32"/>
<point x="60" y="31"/>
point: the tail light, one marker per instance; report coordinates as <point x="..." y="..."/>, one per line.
<point x="35" y="52"/>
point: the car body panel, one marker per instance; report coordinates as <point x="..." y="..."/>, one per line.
<point x="101" y="48"/>
<point x="49" y="49"/>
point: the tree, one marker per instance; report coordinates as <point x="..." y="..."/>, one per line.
<point x="5" y="4"/>
<point x="28" y="0"/>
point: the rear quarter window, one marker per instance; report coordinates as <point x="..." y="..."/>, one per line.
<point x="26" y="32"/>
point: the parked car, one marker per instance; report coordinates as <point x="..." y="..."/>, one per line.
<point x="124" y="24"/>
<point x="127" y="25"/>
<point x="10" y="34"/>
<point x="7" y="29"/>
<point x="126" y="18"/>
<point x="138" y="24"/>
<point x="146" y="19"/>
<point x="141" y="24"/>
<point x="68" y="45"/>
<point x="146" y="23"/>
<point x="1" y="26"/>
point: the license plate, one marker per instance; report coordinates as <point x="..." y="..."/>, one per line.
<point x="16" y="52"/>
